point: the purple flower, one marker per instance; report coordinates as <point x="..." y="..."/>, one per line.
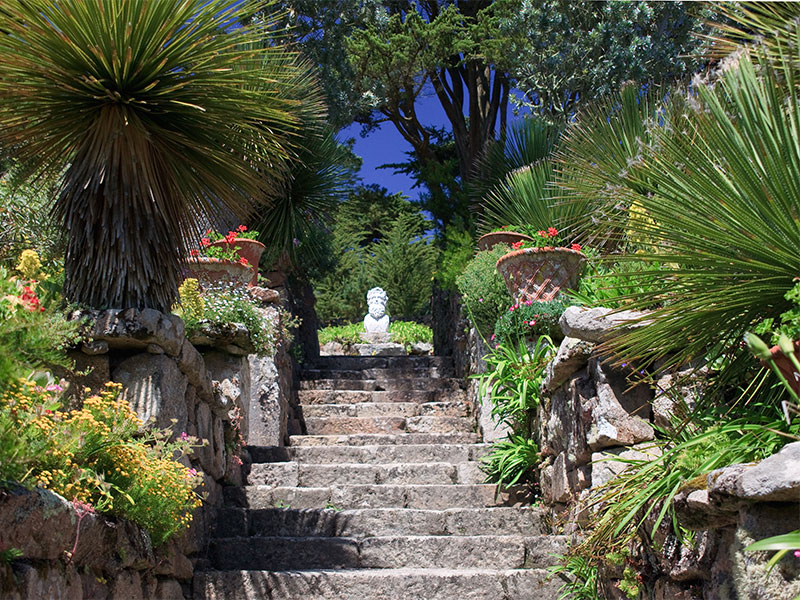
<point x="54" y="387"/>
<point x="184" y="436"/>
<point x="296" y="242"/>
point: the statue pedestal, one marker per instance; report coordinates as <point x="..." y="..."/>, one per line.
<point x="376" y="337"/>
<point x="380" y="349"/>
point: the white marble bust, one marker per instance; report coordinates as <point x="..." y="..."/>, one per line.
<point x="376" y="321"/>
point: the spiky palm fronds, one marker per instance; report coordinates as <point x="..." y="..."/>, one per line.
<point x="163" y="114"/>
<point x="722" y="186"/>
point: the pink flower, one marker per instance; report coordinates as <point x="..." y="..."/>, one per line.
<point x="205" y="242"/>
<point x="184" y="436"/>
<point x="480" y="299"/>
<point x="517" y="245"/>
<point x="552" y="232"/>
<point x="242" y="228"/>
<point x="575" y="247"/>
<point x="230" y="237"/>
<point x="194" y="252"/>
<point x="542" y="233"/>
<point x="192" y="472"/>
<point x="797" y="553"/>
<point x="244" y="261"/>
<point x="492" y="337"/>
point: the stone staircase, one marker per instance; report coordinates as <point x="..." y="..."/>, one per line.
<point x="381" y="498"/>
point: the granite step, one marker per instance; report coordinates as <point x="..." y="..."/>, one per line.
<point x="308" y="374"/>
<point x="381" y="439"/>
<point x="378" y="584"/>
<point x="387" y="409"/>
<point x="371" y="522"/>
<point x="294" y="474"/>
<point x="335" y="396"/>
<point x="429" y="497"/>
<point x="382" y="385"/>
<point x="373" y="454"/>
<point x="347" y="363"/>
<point x="361" y="425"/>
<point x="386" y="552"/>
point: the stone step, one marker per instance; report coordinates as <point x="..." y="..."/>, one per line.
<point x="429" y="497"/>
<point x="310" y="475"/>
<point x="348" y="363"/>
<point x="308" y="374"/>
<point x="406" y="551"/>
<point x="370" y="522"/>
<point x="414" y="453"/>
<point x="369" y="439"/>
<point x="361" y="425"/>
<point x="307" y="397"/>
<point x="382" y="385"/>
<point x="378" y="584"/>
<point x="388" y="409"/>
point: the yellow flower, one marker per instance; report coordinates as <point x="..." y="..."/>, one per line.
<point x="29" y="264"/>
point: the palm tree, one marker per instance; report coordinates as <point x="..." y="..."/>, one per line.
<point x="158" y="115"/>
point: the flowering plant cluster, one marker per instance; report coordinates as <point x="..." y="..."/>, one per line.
<point x="223" y="305"/>
<point x="227" y="251"/>
<point x="548" y="238"/>
<point x="97" y="457"/>
<point x="528" y="320"/>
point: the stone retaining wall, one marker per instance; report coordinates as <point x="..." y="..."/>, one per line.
<point x="593" y="410"/>
<point x="206" y="386"/>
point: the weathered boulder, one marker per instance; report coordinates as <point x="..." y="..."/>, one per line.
<point x="267" y="409"/>
<point x="774" y="479"/>
<point x="620" y="412"/>
<point x="191" y="364"/>
<point x="609" y="463"/>
<point x="565" y="418"/>
<point x="134" y="329"/>
<point x="234" y="338"/>
<point x="420" y="349"/>
<point x="597" y="324"/>
<point x="676" y="395"/>
<point x="380" y="349"/>
<point x="572" y="356"/>
<point x="230" y="377"/>
<point x="155" y="388"/>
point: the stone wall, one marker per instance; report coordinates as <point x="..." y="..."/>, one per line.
<point x="211" y="386"/>
<point x="593" y="410"/>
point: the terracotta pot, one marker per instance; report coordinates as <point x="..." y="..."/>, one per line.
<point x="250" y="250"/>
<point x="210" y="271"/>
<point x="538" y="274"/>
<point x="490" y="240"/>
<point x="786" y="367"/>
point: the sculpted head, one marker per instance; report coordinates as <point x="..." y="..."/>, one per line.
<point x="376" y="302"/>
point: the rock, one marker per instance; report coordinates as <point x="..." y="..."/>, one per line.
<point x="597" y="324"/>
<point x="172" y="562"/>
<point x="155" y="388"/>
<point x="420" y="349"/>
<point x="388" y="349"/>
<point x="491" y="430"/>
<point x="205" y="431"/>
<point x="94" y="371"/>
<point x="676" y="395"/>
<point x="94" y="347"/>
<point x="332" y="349"/>
<point x="230" y="377"/>
<point x="267" y="405"/>
<point x="217" y="468"/>
<point x="724" y="483"/>
<point x="191" y="364"/>
<point x="169" y="589"/>
<point x="697" y="511"/>
<point x="154" y="349"/>
<point x="605" y="467"/>
<point x="134" y="329"/>
<point x="375" y="337"/>
<point x="774" y="479"/>
<point x="127" y="585"/>
<point x="565" y="419"/>
<point x="572" y="356"/>
<point x="233" y="337"/>
<point x="47" y="583"/>
<point x="618" y="411"/>
<point x="264" y="295"/>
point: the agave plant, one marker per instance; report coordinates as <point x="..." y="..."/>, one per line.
<point x="160" y="115"/>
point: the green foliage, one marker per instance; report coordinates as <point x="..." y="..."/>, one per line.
<point x="511" y="460"/>
<point x="97" y="457"/>
<point x="529" y="320"/>
<point x="33" y="335"/>
<point x="458" y="249"/>
<point x="26" y="221"/>
<point x="403" y="264"/>
<point x="789" y="320"/>
<point x="403" y="332"/>
<point x="513" y="384"/>
<point x="150" y="130"/>
<point x="617" y="285"/>
<point x="727" y="228"/>
<point x="409" y="332"/>
<point x="346" y="335"/>
<point x="483" y="291"/>
<point x="595" y="47"/>
<point x="223" y="306"/>
<point x="581" y="578"/>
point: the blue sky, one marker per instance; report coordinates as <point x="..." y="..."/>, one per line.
<point x="386" y="145"/>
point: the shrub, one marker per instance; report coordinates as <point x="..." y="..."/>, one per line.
<point x="483" y="291"/>
<point x="409" y="332"/>
<point x="97" y="456"/>
<point x="342" y="334"/>
<point x="459" y="248"/>
<point x="529" y="320"/>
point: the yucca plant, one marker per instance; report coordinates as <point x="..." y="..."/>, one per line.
<point x="161" y="115"/>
